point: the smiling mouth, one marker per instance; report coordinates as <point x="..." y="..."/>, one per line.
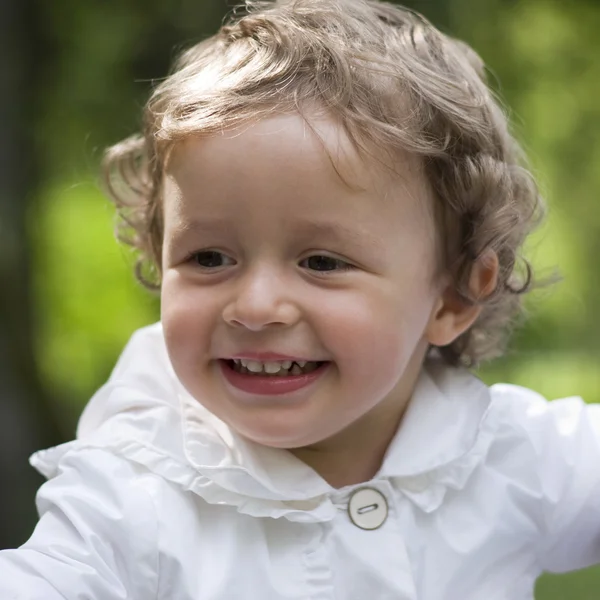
<point x="275" y="369"/>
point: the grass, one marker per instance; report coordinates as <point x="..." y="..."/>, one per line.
<point x="581" y="585"/>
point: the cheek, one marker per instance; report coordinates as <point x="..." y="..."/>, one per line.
<point x="374" y="337"/>
<point x="181" y="299"/>
<point x="187" y="317"/>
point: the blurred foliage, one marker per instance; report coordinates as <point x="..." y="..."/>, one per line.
<point x="91" y="302"/>
<point x="543" y="60"/>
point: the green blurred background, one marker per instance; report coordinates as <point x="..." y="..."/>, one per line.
<point x="76" y="74"/>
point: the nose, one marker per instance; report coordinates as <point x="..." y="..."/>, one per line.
<point x="262" y="299"/>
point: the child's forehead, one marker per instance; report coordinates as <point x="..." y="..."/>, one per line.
<point x="291" y="144"/>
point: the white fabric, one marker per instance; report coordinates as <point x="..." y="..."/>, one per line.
<point x="157" y="499"/>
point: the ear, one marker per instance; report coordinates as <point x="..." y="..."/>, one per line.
<point x="453" y="315"/>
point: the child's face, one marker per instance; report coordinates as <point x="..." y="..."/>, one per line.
<point x="288" y="260"/>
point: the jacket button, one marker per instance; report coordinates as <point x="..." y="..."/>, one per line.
<point x="368" y="508"/>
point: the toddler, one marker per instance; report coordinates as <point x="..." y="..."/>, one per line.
<point x="328" y="197"/>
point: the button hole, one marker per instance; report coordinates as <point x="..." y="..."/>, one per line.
<point x="368" y="508"/>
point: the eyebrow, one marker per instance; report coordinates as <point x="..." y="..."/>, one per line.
<point x="305" y="231"/>
<point x="338" y="232"/>
<point x="184" y="228"/>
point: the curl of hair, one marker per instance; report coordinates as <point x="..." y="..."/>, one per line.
<point x="395" y="83"/>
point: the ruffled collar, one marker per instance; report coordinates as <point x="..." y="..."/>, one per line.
<point x="144" y="414"/>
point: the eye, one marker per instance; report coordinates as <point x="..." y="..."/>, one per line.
<point x="322" y="263"/>
<point x="211" y="259"/>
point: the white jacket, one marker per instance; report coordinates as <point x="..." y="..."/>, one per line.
<point x="157" y="499"/>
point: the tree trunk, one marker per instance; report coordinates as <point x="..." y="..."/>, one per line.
<point x="26" y="421"/>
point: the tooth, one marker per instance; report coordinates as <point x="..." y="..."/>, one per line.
<point x="272" y="367"/>
<point x="236" y="361"/>
<point x="244" y="362"/>
<point x="296" y="370"/>
<point x="301" y="363"/>
<point x="254" y="366"/>
<point x="286" y="364"/>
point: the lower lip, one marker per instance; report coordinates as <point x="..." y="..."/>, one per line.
<point x="270" y="385"/>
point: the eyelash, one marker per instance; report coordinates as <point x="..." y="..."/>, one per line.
<point x="342" y="264"/>
<point x="194" y="255"/>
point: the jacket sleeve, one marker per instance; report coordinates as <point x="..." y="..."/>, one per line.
<point x="96" y="538"/>
<point x="569" y="450"/>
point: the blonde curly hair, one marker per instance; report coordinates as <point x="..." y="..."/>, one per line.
<point x="394" y="82"/>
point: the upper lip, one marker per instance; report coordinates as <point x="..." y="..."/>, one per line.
<point x="267" y="356"/>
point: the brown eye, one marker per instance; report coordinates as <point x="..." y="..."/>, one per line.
<point x="210" y="259"/>
<point x="324" y="263"/>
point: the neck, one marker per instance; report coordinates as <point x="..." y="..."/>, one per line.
<point x="342" y="463"/>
